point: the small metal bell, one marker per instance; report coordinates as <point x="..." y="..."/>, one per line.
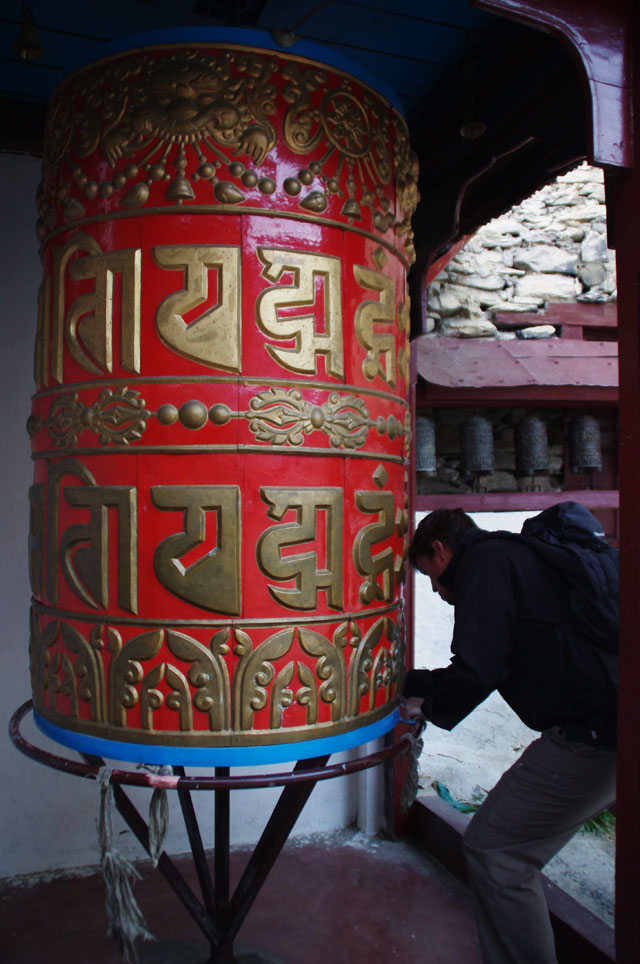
<point x="180" y="190"/>
<point x="27" y="45"/>
<point x="351" y="209"/>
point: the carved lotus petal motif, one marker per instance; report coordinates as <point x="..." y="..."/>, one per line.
<point x="136" y="195"/>
<point x="74" y="209"/>
<point x="315" y="202"/>
<point x="228" y="193"/>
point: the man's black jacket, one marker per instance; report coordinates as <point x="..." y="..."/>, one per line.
<point x="509" y="607"/>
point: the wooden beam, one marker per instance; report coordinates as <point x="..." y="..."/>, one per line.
<point x="565" y="313"/>
<point x="518" y="501"/>
<point x="599" y="33"/>
<point x="540" y="396"/>
<point x="627" y="206"/>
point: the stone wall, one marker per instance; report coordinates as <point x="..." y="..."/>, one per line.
<point x="552" y="247"/>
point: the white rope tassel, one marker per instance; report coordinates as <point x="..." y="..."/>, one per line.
<point x="158" y="816"/>
<point x="412" y="783"/>
<point x="126" y="923"/>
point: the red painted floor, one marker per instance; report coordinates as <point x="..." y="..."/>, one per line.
<point x="343" y="899"/>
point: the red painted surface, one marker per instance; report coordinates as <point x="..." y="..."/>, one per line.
<point x="599" y="33"/>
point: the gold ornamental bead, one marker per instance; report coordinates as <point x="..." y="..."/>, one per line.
<point x="266" y="185"/>
<point x="193" y="414"/>
<point x="167" y="414"/>
<point x="219" y="414"/>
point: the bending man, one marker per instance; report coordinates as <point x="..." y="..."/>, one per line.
<point x="511" y="608"/>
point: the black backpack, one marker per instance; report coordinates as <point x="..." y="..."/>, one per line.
<point x="571" y="540"/>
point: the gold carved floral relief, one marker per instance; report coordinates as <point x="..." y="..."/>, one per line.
<point x="277" y="416"/>
<point x="214" y="688"/>
<point x="180" y="126"/>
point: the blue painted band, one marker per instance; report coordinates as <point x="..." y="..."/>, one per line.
<point x="216" y="756"/>
<point x="248" y="38"/>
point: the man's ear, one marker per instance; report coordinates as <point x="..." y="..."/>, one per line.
<point x="442" y="554"/>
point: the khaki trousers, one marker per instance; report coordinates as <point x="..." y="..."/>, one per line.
<point x="533" y="810"/>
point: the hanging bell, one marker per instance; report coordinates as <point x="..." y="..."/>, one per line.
<point x="532" y="447"/>
<point x="351" y="209"/>
<point x="27" y="45"/>
<point x="180" y="190"/>
<point x="425" y="445"/>
<point x="476" y="445"/>
<point x="585" y="448"/>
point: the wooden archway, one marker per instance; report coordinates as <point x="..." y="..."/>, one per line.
<point x="603" y="37"/>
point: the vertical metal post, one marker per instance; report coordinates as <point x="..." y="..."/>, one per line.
<point x="197" y="846"/>
<point x="274" y="836"/>
<point x="223" y="953"/>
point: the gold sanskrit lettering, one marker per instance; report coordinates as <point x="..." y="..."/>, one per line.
<point x="57" y="471"/>
<point x="214" y="337"/>
<point x="380" y="360"/>
<point x="310" y="338"/>
<point x="89" y="324"/>
<point x="381" y="564"/>
<point x="304" y="569"/>
<point x="61" y="258"/>
<point x="213" y="580"/>
<point x="84" y="548"/>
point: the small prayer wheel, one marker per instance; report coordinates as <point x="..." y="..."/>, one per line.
<point x="532" y="447"/>
<point x="425" y="445"/>
<point x="585" y="446"/>
<point x="476" y="445"/>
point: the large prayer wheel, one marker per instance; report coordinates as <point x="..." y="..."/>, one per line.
<point x="220" y="426"/>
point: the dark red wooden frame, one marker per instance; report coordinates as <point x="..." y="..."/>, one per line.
<point x="603" y="36"/>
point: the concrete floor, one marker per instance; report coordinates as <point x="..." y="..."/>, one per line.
<point x="343" y="899"/>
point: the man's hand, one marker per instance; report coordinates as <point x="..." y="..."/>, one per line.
<point x="413" y="709"/>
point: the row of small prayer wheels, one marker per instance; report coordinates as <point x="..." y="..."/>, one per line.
<point x="531" y="445"/>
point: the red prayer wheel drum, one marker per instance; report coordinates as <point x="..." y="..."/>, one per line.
<point x="220" y="427"/>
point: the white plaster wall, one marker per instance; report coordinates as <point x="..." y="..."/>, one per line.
<point x="47" y="817"/>
<point x="480" y="748"/>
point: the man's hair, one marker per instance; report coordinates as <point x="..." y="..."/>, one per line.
<point x="447" y="526"/>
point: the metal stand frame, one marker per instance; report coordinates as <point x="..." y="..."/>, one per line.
<point x="218" y="913"/>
